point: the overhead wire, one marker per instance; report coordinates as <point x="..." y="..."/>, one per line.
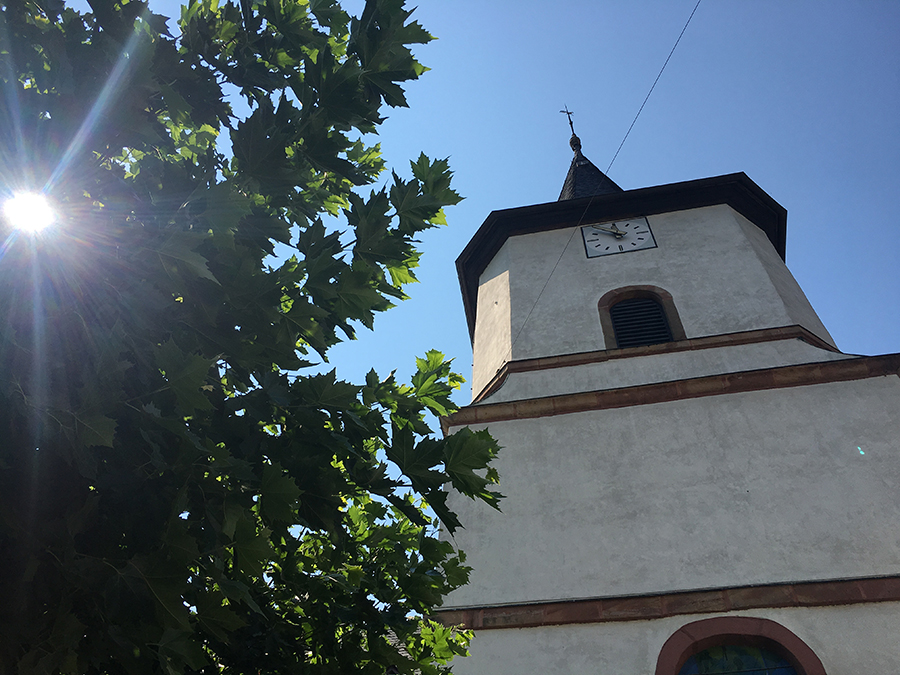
<point x="588" y="205"/>
<point x="653" y="86"/>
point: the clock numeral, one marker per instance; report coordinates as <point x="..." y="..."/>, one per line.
<point x="620" y="247"/>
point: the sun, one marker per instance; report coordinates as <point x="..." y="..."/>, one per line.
<point x="29" y="211"/>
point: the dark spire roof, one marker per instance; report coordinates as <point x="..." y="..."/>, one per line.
<point x="584" y="179"/>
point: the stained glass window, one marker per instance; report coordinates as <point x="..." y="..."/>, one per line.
<point x="736" y="660"/>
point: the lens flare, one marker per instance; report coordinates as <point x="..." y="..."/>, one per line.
<point x="29" y="212"/>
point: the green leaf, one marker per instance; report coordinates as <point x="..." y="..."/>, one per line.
<point x="326" y="391"/>
<point x="237" y="591"/>
<point x="216" y="616"/>
<point x="178" y="109"/>
<point x="279" y="494"/>
<point x="418" y="461"/>
<point x="186" y="375"/>
<point x="178" y="248"/>
<point x="224" y="210"/>
<point x="165" y="580"/>
<point x="251" y="548"/>
<point x="181" y="547"/>
<point x="234" y="512"/>
<point x="467" y="452"/>
<point x="96" y="430"/>
<point x="206" y="500"/>
<point x="178" y="649"/>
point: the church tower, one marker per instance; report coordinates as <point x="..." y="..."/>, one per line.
<point x="697" y="479"/>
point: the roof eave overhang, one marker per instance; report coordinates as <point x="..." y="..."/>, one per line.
<point x="736" y="190"/>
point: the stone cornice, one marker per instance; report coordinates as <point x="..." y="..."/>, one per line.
<point x="710" y="342"/>
<point x="858" y="368"/>
<point x="657" y="606"/>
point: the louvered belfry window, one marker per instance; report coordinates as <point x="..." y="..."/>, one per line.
<point x="638" y="322"/>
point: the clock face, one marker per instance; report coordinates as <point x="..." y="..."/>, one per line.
<point x="617" y="236"/>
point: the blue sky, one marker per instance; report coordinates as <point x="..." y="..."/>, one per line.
<point x="802" y="96"/>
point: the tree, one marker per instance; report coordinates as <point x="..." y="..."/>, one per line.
<point x="179" y="491"/>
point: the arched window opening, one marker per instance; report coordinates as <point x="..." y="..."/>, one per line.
<point x="635" y="316"/>
<point x="638" y="322"/>
<point x="736" y="660"/>
<point x="736" y="645"/>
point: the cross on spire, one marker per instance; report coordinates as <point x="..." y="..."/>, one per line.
<point x="568" y="113"/>
<point x="574" y="141"/>
<point x="584" y="179"/>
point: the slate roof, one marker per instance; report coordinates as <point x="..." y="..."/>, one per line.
<point x="736" y="190"/>
<point x="584" y="179"/>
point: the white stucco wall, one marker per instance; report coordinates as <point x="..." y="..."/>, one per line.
<point x="492" y="330"/>
<point x="849" y="640"/>
<point x="751" y="488"/>
<point x="789" y="290"/>
<point x="763" y="487"/>
<point x="722" y="272"/>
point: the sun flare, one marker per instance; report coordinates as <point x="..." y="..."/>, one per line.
<point x="29" y="212"/>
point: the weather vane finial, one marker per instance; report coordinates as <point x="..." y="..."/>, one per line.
<point x="574" y="142"/>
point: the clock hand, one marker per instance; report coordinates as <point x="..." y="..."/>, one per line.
<point x="617" y="232"/>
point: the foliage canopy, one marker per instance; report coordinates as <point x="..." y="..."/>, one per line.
<point x="179" y="492"/>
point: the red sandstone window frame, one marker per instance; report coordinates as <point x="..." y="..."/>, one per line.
<point x="662" y="296"/>
<point x="737" y="630"/>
